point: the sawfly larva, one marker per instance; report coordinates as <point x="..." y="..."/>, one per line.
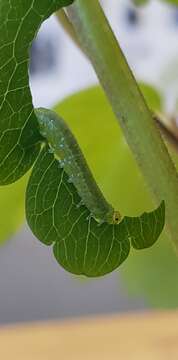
<point x="65" y="147"/>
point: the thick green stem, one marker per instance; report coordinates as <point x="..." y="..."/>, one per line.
<point x="128" y="104"/>
<point x="64" y="21"/>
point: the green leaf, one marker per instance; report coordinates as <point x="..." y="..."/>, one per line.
<point x="81" y="245"/>
<point x="19" y="136"/>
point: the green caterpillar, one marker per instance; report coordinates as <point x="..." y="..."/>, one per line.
<point x="65" y="147"/>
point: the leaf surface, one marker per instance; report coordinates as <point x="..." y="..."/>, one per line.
<point x="19" y="135"/>
<point x="81" y="245"/>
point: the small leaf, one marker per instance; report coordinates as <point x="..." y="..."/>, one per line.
<point x="19" y="136"/>
<point x="81" y="245"/>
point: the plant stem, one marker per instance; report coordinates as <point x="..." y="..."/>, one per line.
<point x="64" y="21"/>
<point x="169" y="131"/>
<point x="166" y="128"/>
<point x="128" y="104"/>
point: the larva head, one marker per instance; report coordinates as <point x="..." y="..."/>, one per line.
<point x="116" y="217"/>
<point x="113" y="217"/>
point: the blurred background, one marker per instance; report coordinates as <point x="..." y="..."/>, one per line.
<point x="32" y="285"/>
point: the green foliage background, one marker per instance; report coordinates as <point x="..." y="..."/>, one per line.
<point x="12" y="208"/>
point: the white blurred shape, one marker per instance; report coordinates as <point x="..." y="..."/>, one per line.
<point x="148" y="37"/>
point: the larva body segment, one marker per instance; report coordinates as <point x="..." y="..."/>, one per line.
<point x="67" y="150"/>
